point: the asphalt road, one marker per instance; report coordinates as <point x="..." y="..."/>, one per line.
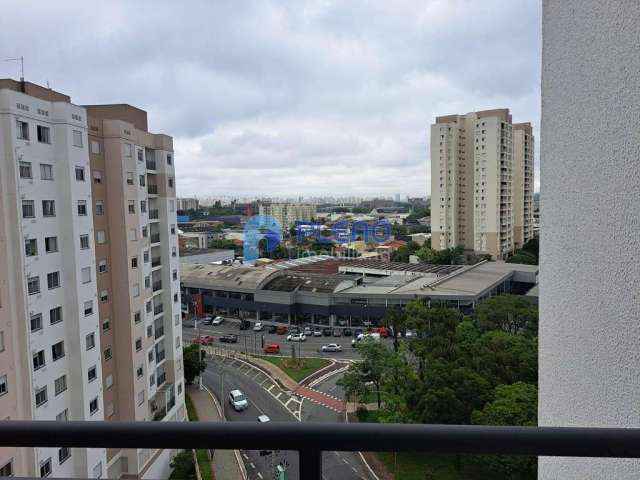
<point x="251" y="341"/>
<point x="221" y="378"/>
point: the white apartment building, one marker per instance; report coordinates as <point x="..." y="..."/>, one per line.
<point x="289" y="213"/>
<point x="472" y="182"/>
<point x="187" y="204"/>
<point x="50" y="366"/>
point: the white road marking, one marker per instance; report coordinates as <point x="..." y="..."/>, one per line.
<point x="252" y="465"/>
<point x="245" y="456"/>
<point x="345" y="461"/>
<point x="259" y="475"/>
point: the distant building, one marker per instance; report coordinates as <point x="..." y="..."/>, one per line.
<point x="289" y="213"/>
<point x="206" y="256"/>
<point x="187" y="204"/>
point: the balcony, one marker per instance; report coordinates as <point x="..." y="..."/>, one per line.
<point x="152" y="189"/>
<point x="158" y="309"/>
<point x="153" y="214"/>
<point x="156" y="262"/>
<point x="159" y="332"/>
<point x="151" y="164"/>
<point x="157" y="286"/>
<point x="311" y="439"/>
<point x="161" y="379"/>
<point x="155" y="238"/>
<point x="161" y="355"/>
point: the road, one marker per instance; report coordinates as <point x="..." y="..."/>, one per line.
<point x="223" y="376"/>
<point x="252" y="342"/>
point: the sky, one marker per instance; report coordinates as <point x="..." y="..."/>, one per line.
<point x="288" y="98"/>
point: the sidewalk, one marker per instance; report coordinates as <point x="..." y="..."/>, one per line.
<point x="225" y="462"/>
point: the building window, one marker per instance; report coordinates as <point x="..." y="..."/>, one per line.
<point x="132" y="206"/>
<point x="3" y="385"/>
<point x="93" y="406"/>
<point x="133" y="234"/>
<point x="104" y="296"/>
<point x="28" y="209"/>
<point x="108" y="381"/>
<point x="46" y="171"/>
<point x="85" y="275"/>
<point x="60" y="384"/>
<point x="169" y="159"/>
<point x="142" y="180"/>
<point x="43" y="134"/>
<point x="145" y="232"/>
<point x="88" y="308"/>
<point x="173" y="229"/>
<point x="137" y="317"/>
<point x="97" y="176"/>
<point x="90" y="341"/>
<point x="106" y="325"/>
<point x="107" y="354"/>
<point x="31" y="247"/>
<point x="175" y="297"/>
<point x="95" y="147"/>
<point x="1" y="341"/>
<point x="35" y="322"/>
<point x="99" y="207"/>
<point x="102" y="266"/>
<point x="63" y="454"/>
<point x="140" y="371"/>
<point x="84" y="242"/>
<point x="45" y="467"/>
<point x="135" y="290"/>
<point x="100" y="237"/>
<point x="25" y="170"/>
<point x="129" y="178"/>
<point x="152" y="379"/>
<point x="41" y="397"/>
<point x="148" y="307"/>
<point x="145" y="256"/>
<point x="23" y="130"/>
<point x="82" y="208"/>
<point x="147" y="282"/>
<point x="7" y="469"/>
<point x="77" y="138"/>
<point x="53" y="280"/>
<point x="49" y="208"/>
<point x="138" y="344"/>
<point x="80" y="174"/>
<point x="127" y="149"/>
<point x="173" y="251"/>
<point x="92" y="374"/>
<point x="143" y="206"/>
<point x="55" y="315"/>
<point x="172" y="206"/>
<point x="57" y="351"/>
<point x="38" y="360"/>
<point x="63" y="416"/>
<point x="170" y="182"/>
<point x="33" y="285"/>
<point x="51" y="244"/>
<point x="134" y="262"/>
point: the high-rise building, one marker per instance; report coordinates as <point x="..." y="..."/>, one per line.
<point x="89" y="280"/>
<point x="289" y="213"/>
<point x="134" y="211"/>
<point x="187" y="204"/>
<point x="50" y="349"/>
<point x="523" y="207"/>
<point x="473" y="174"/>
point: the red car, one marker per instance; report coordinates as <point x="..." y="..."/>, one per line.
<point x="204" y="340"/>
<point x="384" y="333"/>
<point x="272" y="348"/>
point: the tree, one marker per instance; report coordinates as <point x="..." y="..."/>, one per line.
<point x="502" y="357"/>
<point x="193" y="365"/>
<point x="515" y="404"/>
<point x="436" y="327"/>
<point x="510" y="313"/>
<point x="448" y="256"/>
<point x="183" y="466"/>
<point x="404" y="252"/>
<point x="396" y="320"/>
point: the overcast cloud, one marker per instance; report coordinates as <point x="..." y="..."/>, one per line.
<point x="287" y="98"/>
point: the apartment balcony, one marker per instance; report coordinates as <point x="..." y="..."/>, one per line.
<point x="152" y="189"/>
<point x="157" y="286"/>
<point x="159" y="332"/>
<point x="162" y="402"/>
<point x="157" y="261"/>
<point x="155" y="238"/>
<point x="158" y="309"/>
<point x="311" y="439"/>
<point x="162" y="378"/>
<point x="160" y="355"/>
<point x="154" y="214"/>
<point x="151" y="165"/>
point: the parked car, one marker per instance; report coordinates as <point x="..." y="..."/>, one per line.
<point x="296" y="337"/>
<point x="410" y="333"/>
<point x="204" y="340"/>
<point x="272" y="329"/>
<point x="294" y="330"/>
<point x="238" y="401"/>
<point x="317" y="332"/>
<point x="357" y="331"/>
<point x="307" y="331"/>
<point x="332" y="347"/>
<point x="336" y="332"/>
<point x="347" y="332"/>
<point x="281" y="330"/>
<point x="206" y="320"/>
<point x="258" y="327"/>
<point x="244" y="324"/>
<point x="326" y="332"/>
<point x="217" y="321"/>
<point x="229" y="338"/>
<point x="383" y="331"/>
<point x="272" y="348"/>
<point x="365" y="337"/>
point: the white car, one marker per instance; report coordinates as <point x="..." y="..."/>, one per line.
<point x="258" y="327"/>
<point x="217" y="321"/>
<point x="307" y="331"/>
<point x="317" y="332"/>
<point x="296" y="337"/>
<point x="366" y="337"/>
<point x="238" y="401"/>
<point x="332" y="347"/>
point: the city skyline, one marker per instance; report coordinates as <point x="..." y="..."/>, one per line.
<point x="277" y="100"/>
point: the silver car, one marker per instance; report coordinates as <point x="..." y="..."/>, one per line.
<point x="238" y="401"/>
<point x="332" y="347"/>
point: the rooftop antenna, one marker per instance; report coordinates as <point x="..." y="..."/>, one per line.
<point x="21" y="60"/>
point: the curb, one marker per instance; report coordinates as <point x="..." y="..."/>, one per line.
<point x="243" y="469"/>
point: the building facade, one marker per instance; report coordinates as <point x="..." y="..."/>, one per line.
<point x="523" y="207"/>
<point x="473" y="171"/>
<point x="289" y="213"/>
<point x="50" y="360"/>
<point x="183" y="204"/>
<point x="134" y="211"/>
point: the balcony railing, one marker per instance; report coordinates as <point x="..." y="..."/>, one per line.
<point x="160" y="356"/>
<point x="158" y="309"/>
<point x="157" y="286"/>
<point x="155" y="238"/>
<point x="153" y="214"/>
<point x="161" y="379"/>
<point x="151" y="164"/>
<point x="156" y="262"/>
<point x="159" y="333"/>
<point x="152" y="189"/>
<point x="311" y="439"/>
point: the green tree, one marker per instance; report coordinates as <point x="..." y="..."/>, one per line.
<point x="183" y="466"/>
<point x="510" y="313"/>
<point x="193" y="365"/>
<point x="404" y="252"/>
<point x="396" y="320"/>
<point x="449" y="256"/>
<point x="502" y="357"/>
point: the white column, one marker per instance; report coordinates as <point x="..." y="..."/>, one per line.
<point x="590" y="213"/>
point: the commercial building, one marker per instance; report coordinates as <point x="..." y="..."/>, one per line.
<point x="477" y="180"/>
<point x="89" y="283"/>
<point x="184" y="204"/>
<point x="324" y="290"/>
<point x="50" y="346"/>
<point x="133" y="182"/>
<point x="289" y="213"/>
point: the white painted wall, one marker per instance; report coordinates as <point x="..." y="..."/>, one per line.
<point x="590" y="190"/>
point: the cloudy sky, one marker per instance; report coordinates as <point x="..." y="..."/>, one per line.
<point x="287" y="98"/>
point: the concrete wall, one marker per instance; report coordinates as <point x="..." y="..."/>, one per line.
<point x="590" y="178"/>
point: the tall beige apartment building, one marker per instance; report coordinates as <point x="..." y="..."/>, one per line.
<point x="481" y="182"/>
<point x="289" y="213"/>
<point x="89" y="281"/>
